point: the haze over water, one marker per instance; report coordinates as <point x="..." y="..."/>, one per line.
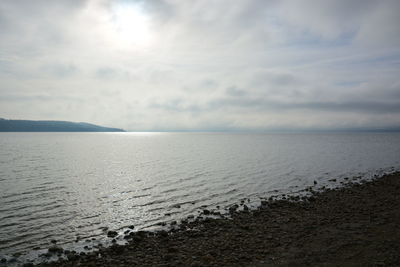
<point x="64" y="185"/>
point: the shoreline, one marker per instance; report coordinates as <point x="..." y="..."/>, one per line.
<point x="352" y="225"/>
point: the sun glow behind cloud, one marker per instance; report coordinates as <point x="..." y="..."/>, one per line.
<point x="130" y="25"/>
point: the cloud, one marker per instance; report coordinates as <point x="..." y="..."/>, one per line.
<point x="207" y="64"/>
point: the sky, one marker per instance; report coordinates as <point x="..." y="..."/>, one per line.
<point x="202" y="65"/>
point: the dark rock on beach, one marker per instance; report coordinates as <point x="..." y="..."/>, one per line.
<point x="112" y="233"/>
<point x="55" y="249"/>
<point x="357" y="225"/>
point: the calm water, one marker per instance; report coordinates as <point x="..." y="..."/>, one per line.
<point x="63" y="185"/>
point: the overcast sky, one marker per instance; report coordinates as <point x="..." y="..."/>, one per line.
<point x="202" y="64"/>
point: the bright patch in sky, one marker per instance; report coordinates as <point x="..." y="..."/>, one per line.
<point x="131" y="25"/>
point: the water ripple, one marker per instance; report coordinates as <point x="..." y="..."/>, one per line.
<point x="58" y="186"/>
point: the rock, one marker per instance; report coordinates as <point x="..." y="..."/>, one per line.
<point x="12" y="260"/>
<point x="233" y="208"/>
<point x="114" y="241"/>
<point x="3" y="260"/>
<point x="112" y="233"/>
<point x="55" y="249"/>
<point x="117" y="249"/>
<point x="131" y="227"/>
<point x="53" y="241"/>
<point x="172" y="250"/>
<point x="315" y="182"/>
<point x="16" y="254"/>
<point x="245" y="208"/>
<point x="332" y="180"/>
<point x="195" y="264"/>
<point x="163" y="233"/>
<point x="206" y="212"/>
<point x="46" y="255"/>
<point x="28" y="264"/>
<point x="72" y="257"/>
<point x="173" y="223"/>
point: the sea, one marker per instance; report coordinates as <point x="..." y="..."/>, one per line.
<point x="74" y="187"/>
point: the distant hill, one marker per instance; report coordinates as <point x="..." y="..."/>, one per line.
<point x="51" y="126"/>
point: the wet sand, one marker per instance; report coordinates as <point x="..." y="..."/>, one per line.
<point x="357" y="225"/>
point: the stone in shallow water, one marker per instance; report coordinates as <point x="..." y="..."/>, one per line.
<point x="112" y="233"/>
<point x="55" y="249"/>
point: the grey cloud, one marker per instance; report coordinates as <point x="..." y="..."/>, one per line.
<point x="210" y="64"/>
<point x="347" y="106"/>
<point x="39" y="98"/>
<point x="234" y="91"/>
<point x="105" y="73"/>
<point x="175" y="105"/>
<point x="242" y="102"/>
<point x="61" y="70"/>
